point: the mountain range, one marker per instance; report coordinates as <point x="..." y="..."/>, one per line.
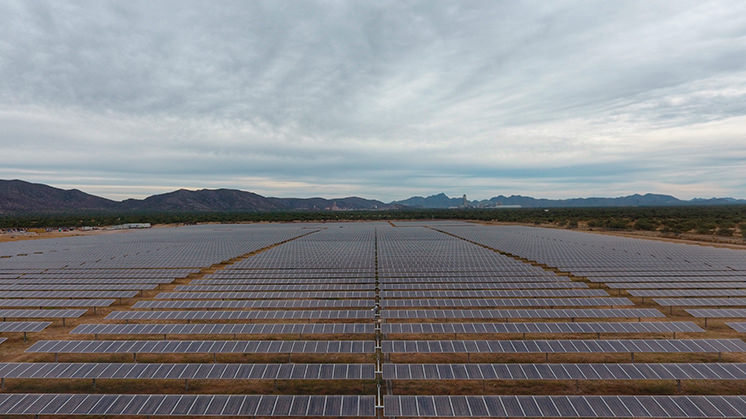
<point x="20" y="197"/>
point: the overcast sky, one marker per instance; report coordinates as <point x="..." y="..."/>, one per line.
<point x="383" y="99"/>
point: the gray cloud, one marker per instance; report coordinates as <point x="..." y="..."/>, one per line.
<point x="382" y="99"/>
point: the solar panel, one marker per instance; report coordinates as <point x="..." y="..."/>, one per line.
<point x="55" y="303"/>
<point x="522" y="314"/>
<point x="662" y="285"/>
<point x="494" y="293"/>
<point x="69" y="294"/>
<point x="185" y="371"/>
<point x="717" y="312"/>
<point x="508" y="302"/>
<point x="284" y="279"/>
<point x="591" y="371"/>
<point x="21" y="327"/>
<point x="666" y="279"/>
<point x="243" y="315"/>
<point x="737" y="326"/>
<point x="77" y="287"/>
<point x="275" y="287"/>
<point x="566" y="406"/>
<point x="201" y="346"/>
<point x="41" y="314"/>
<point x="264" y="295"/>
<point x="677" y="302"/>
<point x="688" y="293"/>
<point x="224" y="329"/>
<point x="430" y="277"/>
<point x="483" y="285"/>
<point x="185" y="405"/>
<point x="552" y="327"/>
<point x="255" y="304"/>
<point x="565" y="346"/>
<point x="89" y="281"/>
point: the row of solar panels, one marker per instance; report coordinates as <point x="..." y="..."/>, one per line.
<point x="69" y="294"/>
<point x="288" y="371"/>
<point x="78" y="287"/>
<point x="676" y="271"/>
<point x="211" y="315"/>
<point x="523" y="313"/>
<point x="296" y="294"/>
<point x="553" y="327"/>
<point x="483" y="285"/>
<point x="566" y="406"/>
<point x="202" y="346"/>
<point x="678" y="302"/>
<point x="55" y="302"/>
<point x="688" y="293"/>
<point x="390" y="282"/>
<point x="404" y="346"/>
<point x="224" y="329"/>
<point x="629" y="313"/>
<point x="239" y="295"/>
<point x="354" y="406"/>
<point x="387" y="328"/>
<point x="469" y="278"/>
<point x="408" y="271"/>
<point x="184" y="405"/>
<point x="565" y="346"/>
<point x="112" y="273"/>
<point x="253" y="304"/>
<point x="23" y="327"/>
<point x="277" y="288"/>
<point x="211" y="371"/>
<point x="90" y="281"/>
<point x="509" y="302"/>
<point x="304" y="273"/>
<point x="494" y="293"/>
<point x="676" y="285"/>
<point x="600" y="371"/>
<point x="282" y="280"/>
<point x="230" y="286"/>
<point x="492" y="302"/>
<point x="660" y="278"/>
<point x="406" y="297"/>
<point x="717" y="312"/>
<point x="41" y="314"/>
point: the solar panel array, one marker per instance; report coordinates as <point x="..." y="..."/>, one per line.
<point x="593" y="371"/>
<point x="567" y="406"/>
<point x="540" y="328"/>
<point x="21" y="327"/>
<point x="243" y="315"/>
<point x="185" y="405"/>
<point x="40" y="314"/>
<point x="628" y="313"/>
<point x="204" y="371"/>
<point x="200" y="346"/>
<point x="566" y="346"/>
<point x="366" y="304"/>
<point x="224" y="329"/>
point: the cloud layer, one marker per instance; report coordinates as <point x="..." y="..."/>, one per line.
<point x="382" y="99"/>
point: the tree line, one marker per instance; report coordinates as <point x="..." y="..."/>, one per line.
<point x="715" y="220"/>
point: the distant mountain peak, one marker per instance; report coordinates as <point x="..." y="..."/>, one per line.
<point x="18" y="196"/>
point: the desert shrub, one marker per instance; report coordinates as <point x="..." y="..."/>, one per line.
<point x="645" y="224"/>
